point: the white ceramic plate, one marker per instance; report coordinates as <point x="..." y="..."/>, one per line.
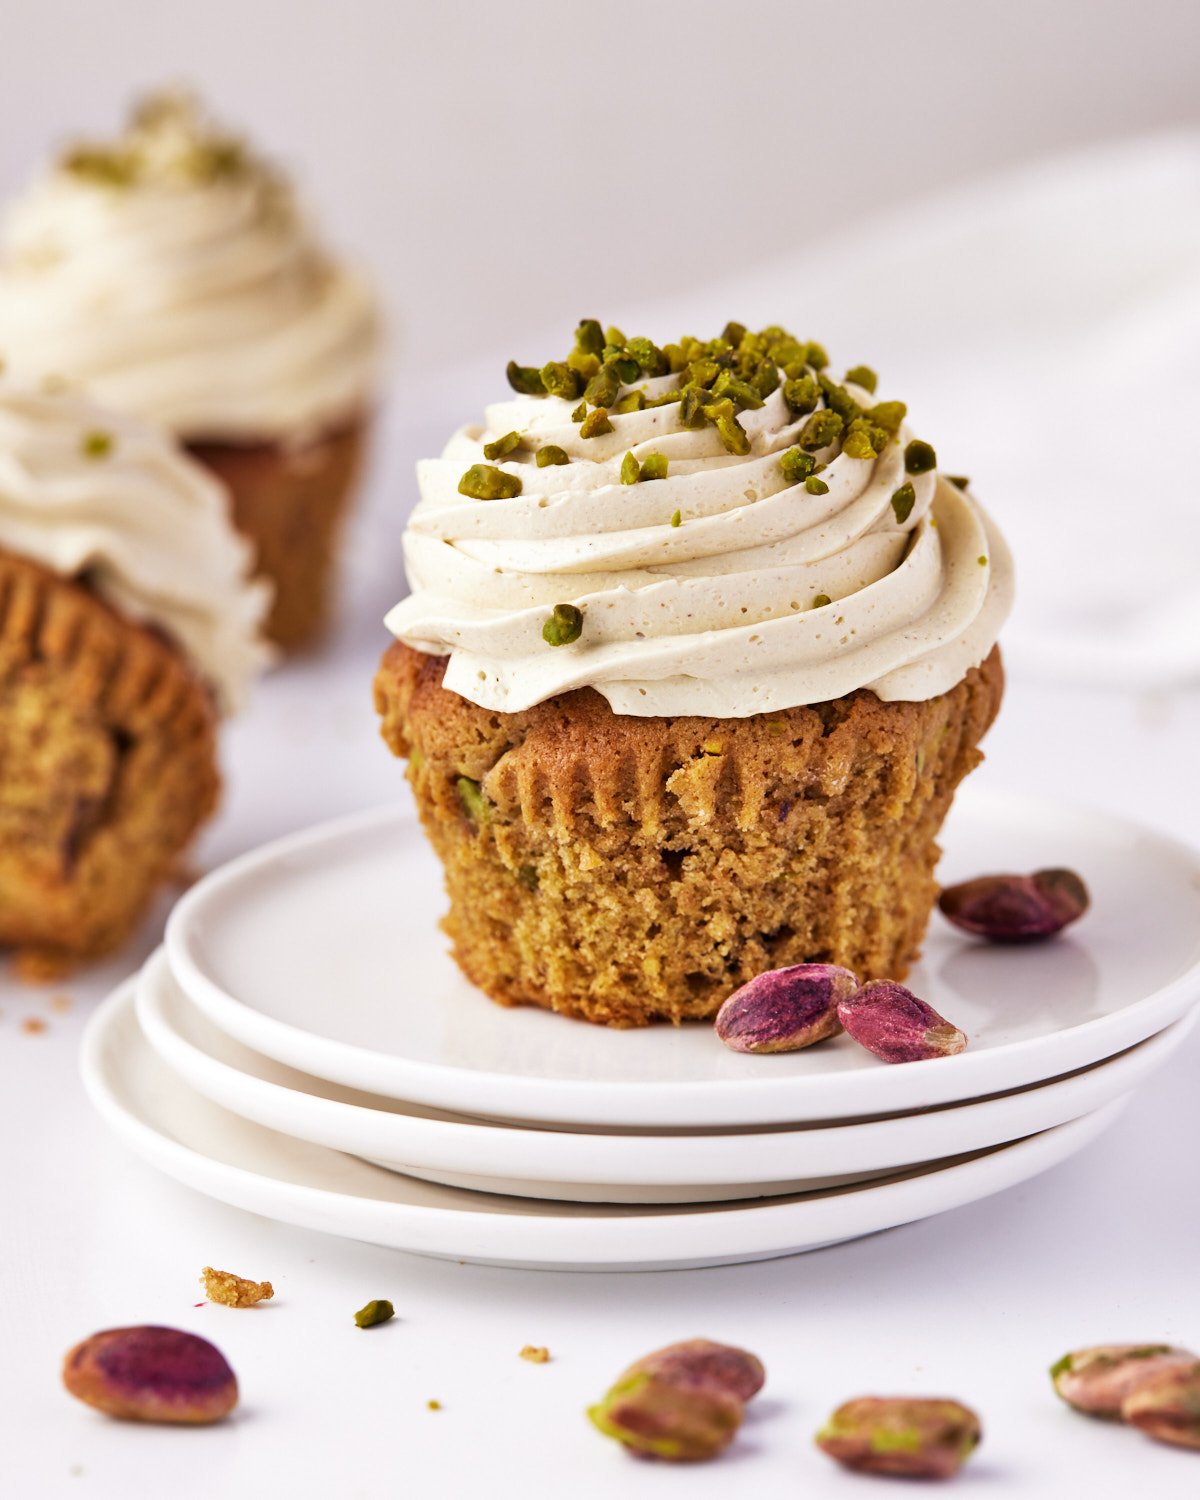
<point x="601" y="1168"/>
<point x="215" y="1152"/>
<point x="322" y="951"/>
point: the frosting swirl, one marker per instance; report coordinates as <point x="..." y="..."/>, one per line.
<point x="89" y="493"/>
<point x="176" y="275"/>
<point x="726" y="588"/>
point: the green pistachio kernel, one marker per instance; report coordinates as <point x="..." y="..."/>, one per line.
<point x="604" y="388"/>
<point x="105" y="168"/>
<point x="816" y="486"/>
<point x="584" y="365"/>
<point x="796" y="465"/>
<point x="801" y="394"/>
<point x="665" y="398"/>
<point x="738" y="390"/>
<point x="903" y="501"/>
<point x="563" y="626"/>
<point x="627" y="369"/>
<point x="472" y="800"/>
<point x="650" y="358"/>
<point x="378" y="1311"/>
<point x="691" y="406"/>
<point x="676" y="358"/>
<point x="816" y="356"/>
<point x="821" y="429"/>
<point x="483" y="482"/>
<point x="654" y="466"/>
<point x="732" y="434"/>
<point x="560" y="380"/>
<point x="839" y="399"/>
<point x="630" y="401"/>
<point x="631" y="470"/>
<point x="613" y="335"/>
<point x="595" y="423"/>
<point x="858" y="445"/>
<point x="888" y="414"/>
<point x="677" y="518"/>
<point x="765" y="379"/>
<point x="821" y="600"/>
<point x="96" y="444"/>
<point x="552" y="454"/>
<point x="864" y="376"/>
<point x="959" y="481"/>
<point x="702" y="372"/>
<point x="734" y="333"/>
<point x="580" y="412"/>
<point x="919" y="457"/>
<point x="503" y="446"/>
<point x="589" y="336"/>
<point x="524" y="379"/>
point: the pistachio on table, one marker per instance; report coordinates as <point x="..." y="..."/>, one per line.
<point x="894" y="1024"/>
<point x="1166" y="1406"/>
<point x="1016" y="908"/>
<point x="1098" y="1380"/>
<point x="785" y="1009"/>
<point x="914" y="1437"/>
<point x="151" y="1374"/>
<point x="682" y="1403"/>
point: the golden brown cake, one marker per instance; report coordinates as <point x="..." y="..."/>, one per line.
<point x="127" y="625"/>
<point x="173" y="271"/>
<point x="699" y="646"/>
<point x="107" y="765"/>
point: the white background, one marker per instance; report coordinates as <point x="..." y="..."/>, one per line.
<point x="498" y="165"/>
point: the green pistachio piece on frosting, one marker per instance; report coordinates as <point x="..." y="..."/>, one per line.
<point x="503" y="446"/>
<point x="525" y="380"/>
<point x="919" y="457"/>
<point x="551" y="454"/>
<point x="485" y="482"/>
<point x="563" y="626"/>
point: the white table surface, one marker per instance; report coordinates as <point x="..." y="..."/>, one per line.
<point x="974" y="1304"/>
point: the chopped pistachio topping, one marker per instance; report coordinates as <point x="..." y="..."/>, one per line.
<point x="603" y="388"/>
<point x="864" y="376"/>
<point x="485" y="482"/>
<point x="654" y="466"/>
<point x="816" y="486"/>
<point x="817" y="356"/>
<point x="524" y="379"/>
<point x="797" y="465"/>
<point x="903" y="501"/>
<point x="630" y="401"/>
<point x="801" y="394"/>
<point x="550" y="454"/>
<point x="472" y="800"/>
<point x="563" y="626"/>
<point x="106" y="167"/>
<point x="615" y="337"/>
<point x="839" y="399"/>
<point x="589" y="336"/>
<point x="595" y="423"/>
<point x="503" y="446"/>
<point x="580" y="412"/>
<point x="584" y="365"/>
<point x="631" y="470"/>
<point x="858" y="445"/>
<point x="96" y="444"/>
<point x="677" y="518"/>
<point x="821" y="429"/>
<point x="821" y="600"/>
<point x="733" y="334"/>
<point x="650" y="358"/>
<point x="919" y="457"/>
<point x="888" y="414"/>
<point x="559" y="379"/>
<point x="378" y="1311"/>
<point x="959" y="481"/>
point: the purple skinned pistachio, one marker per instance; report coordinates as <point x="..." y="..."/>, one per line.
<point x="1016" y="908"/>
<point x="913" y="1437"/>
<point x="151" y="1374"/>
<point x="1166" y="1406"/>
<point x="1098" y="1380"/>
<point x="895" y="1025"/>
<point x="784" y="1010"/>
<point x="701" y="1362"/>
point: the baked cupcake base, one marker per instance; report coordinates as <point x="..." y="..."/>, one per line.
<point x="107" y="767"/>
<point x="291" y="501"/>
<point x="627" y="870"/>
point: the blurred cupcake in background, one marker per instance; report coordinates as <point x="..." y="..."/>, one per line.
<point x="174" y="273"/>
<point x="129" y="624"/>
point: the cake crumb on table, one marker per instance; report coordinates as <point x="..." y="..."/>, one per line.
<point x="536" y="1354"/>
<point x="33" y="1026"/>
<point x="234" y="1291"/>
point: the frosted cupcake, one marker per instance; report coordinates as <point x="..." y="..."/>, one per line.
<point x="700" y="643"/>
<point x="128" y="623"/>
<point x="175" y="274"/>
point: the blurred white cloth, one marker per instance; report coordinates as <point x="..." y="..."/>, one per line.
<point x="1044" y="328"/>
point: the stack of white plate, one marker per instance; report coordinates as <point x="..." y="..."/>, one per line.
<point x="303" y="1047"/>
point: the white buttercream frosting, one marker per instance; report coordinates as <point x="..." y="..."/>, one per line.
<point x="720" y="613"/>
<point x="177" y="276"/>
<point x="113" y="500"/>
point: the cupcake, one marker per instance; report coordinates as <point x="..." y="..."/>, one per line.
<point x="700" y="643"/>
<point x="128" y="624"/>
<point x="174" y="273"/>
